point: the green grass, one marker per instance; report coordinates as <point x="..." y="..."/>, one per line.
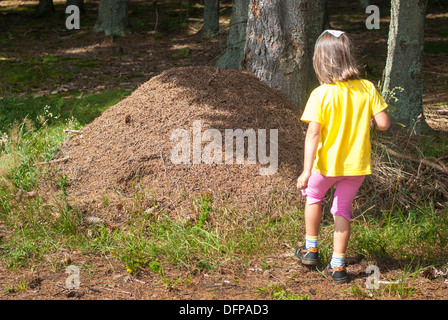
<point x="49" y="109"/>
<point x="434" y="146"/>
<point x="27" y="73"/>
<point x="196" y="246"/>
<point x="151" y="240"/>
<point x="403" y="287"/>
<point x="420" y="234"/>
<point x="278" y="291"/>
<point x="32" y="128"/>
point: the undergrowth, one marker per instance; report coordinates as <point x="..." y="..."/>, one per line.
<point x="152" y="241"/>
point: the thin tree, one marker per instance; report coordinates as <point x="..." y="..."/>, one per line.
<point x="78" y="3"/>
<point x="404" y="66"/>
<point x="44" y="7"/>
<point x="236" y="40"/>
<point x="112" y="17"/>
<point x="210" y="26"/>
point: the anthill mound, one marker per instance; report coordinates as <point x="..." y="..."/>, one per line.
<point x="130" y="148"/>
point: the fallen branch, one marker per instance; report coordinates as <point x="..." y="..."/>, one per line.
<point x="411" y="158"/>
<point x="51" y="161"/>
<point x="437" y="119"/>
<point x="439" y="111"/>
<point x="118" y="291"/>
<point x="74" y="131"/>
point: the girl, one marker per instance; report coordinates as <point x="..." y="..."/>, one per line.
<point x="337" y="144"/>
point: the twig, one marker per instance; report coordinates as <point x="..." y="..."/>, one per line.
<point x="93" y="289"/>
<point x="157" y="20"/>
<point x="410" y="158"/>
<point x="62" y="289"/>
<point x="74" y="131"/>
<point x="118" y="291"/>
<point x="52" y="161"/>
<point x="54" y="295"/>
<point x="362" y="214"/>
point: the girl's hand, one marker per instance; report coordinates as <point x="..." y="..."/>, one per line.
<point x="302" y="181"/>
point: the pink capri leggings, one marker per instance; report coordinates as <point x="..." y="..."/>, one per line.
<point x="346" y="189"/>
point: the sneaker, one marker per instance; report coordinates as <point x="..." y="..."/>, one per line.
<point x="339" y="274"/>
<point x="309" y="257"/>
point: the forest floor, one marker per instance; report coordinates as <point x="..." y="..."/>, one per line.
<point x="81" y="61"/>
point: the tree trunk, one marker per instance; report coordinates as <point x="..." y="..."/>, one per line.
<point x="78" y="3"/>
<point x="112" y="17"/>
<point x="280" y="44"/>
<point x="234" y="54"/>
<point x="44" y="7"/>
<point x="363" y="4"/>
<point x="404" y="62"/>
<point x="211" y="18"/>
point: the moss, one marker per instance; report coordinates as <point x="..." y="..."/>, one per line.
<point x="415" y="69"/>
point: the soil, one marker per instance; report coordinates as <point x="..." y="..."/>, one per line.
<point x="104" y="278"/>
<point x="130" y="144"/>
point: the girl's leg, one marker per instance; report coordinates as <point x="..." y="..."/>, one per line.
<point x="313" y="216"/>
<point x="308" y="253"/>
<point x="340" y="241"/>
<point x="341" y="234"/>
<point x="318" y="186"/>
<point x="346" y="190"/>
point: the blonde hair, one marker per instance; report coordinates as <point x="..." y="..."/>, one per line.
<point x="333" y="59"/>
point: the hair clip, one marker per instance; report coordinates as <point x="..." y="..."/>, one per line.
<point x="335" y="33"/>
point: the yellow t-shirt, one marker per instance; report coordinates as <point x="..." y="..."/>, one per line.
<point x="344" y="111"/>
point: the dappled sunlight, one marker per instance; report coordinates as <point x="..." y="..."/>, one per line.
<point x="87" y="176"/>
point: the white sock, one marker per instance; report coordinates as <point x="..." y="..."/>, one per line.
<point x="310" y="242"/>
<point x="337" y="260"/>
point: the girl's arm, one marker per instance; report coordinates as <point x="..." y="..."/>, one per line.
<point x="381" y="121"/>
<point x="311" y="143"/>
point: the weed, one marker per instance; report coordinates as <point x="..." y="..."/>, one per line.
<point x="399" y="289"/>
<point x="278" y="292"/>
<point x="182" y="53"/>
<point x="63" y="182"/>
<point x="357" y="292"/>
<point x="156" y="267"/>
<point x="419" y="234"/>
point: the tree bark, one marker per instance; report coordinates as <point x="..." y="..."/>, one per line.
<point x="78" y="3"/>
<point x="234" y="54"/>
<point x="363" y="4"/>
<point x="280" y="44"/>
<point x="404" y="63"/>
<point x="112" y="17"/>
<point x="211" y="18"/>
<point x="44" y="7"/>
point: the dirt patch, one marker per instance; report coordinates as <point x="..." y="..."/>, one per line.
<point x="104" y="278"/>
